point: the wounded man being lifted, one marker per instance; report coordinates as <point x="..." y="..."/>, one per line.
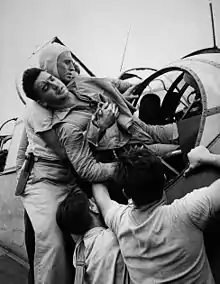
<point x="85" y="132"/>
<point x="92" y="150"/>
<point x="79" y="119"/>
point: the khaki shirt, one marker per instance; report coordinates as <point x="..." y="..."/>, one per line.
<point x="104" y="263"/>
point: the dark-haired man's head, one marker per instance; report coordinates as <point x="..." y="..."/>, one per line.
<point x="144" y="176"/>
<point x="43" y="88"/>
<point x="149" y="110"/>
<point x="76" y="214"/>
<point x="28" y="80"/>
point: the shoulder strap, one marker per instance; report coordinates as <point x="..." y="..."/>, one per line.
<point x="126" y="276"/>
<point x="80" y="263"/>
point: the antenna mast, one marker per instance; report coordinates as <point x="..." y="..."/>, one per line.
<point x="125" y="48"/>
<point x="213" y="24"/>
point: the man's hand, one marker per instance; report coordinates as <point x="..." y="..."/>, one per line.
<point x="197" y="157"/>
<point x="128" y="94"/>
<point x="105" y="116"/>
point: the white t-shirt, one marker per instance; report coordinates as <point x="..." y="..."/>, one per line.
<point x="164" y="243"/>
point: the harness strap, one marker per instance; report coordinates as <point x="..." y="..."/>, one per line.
<point x="80" y="263"/>
<point x="24" y="174"/>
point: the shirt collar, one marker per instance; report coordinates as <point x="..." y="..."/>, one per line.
<point x="62" y="113"/>
<point x="93" y="231"/>
<point x="153" y="205"/>
<point x="78" y="238"/>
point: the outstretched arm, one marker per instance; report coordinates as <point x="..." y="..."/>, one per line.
<point x="121" y="85"/>
<point x="102" y="198"/>
<point x="125" y="88"/>
<point x="112" y="211"/>
<point x="201" y="156"/>
<point x="165" y="134"/>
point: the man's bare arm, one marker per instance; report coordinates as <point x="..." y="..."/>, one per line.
<point x="214" y="195"/>
<point x="102" y="198"/>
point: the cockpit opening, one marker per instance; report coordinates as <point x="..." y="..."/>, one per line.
<point x="172" y="95"/>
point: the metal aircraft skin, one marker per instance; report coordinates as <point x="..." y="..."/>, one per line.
<point x="189" y="91"/>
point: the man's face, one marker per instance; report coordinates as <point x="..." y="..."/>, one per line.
<point x="65" y="67"/>
<point x="52" y="92"/>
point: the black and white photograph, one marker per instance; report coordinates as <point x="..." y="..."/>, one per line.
<point x="110" y="142"/>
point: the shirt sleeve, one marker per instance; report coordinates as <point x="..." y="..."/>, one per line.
<point x="161" y="133"/>
<point x="41" y="118"/>
<point x="80" y="155"/>
<point x="93" y="134"/>
<point x="196" y="207"/>
<point x="21" y="153"/>
<point x="114" y="216"/>
<point x="121" y="85"/>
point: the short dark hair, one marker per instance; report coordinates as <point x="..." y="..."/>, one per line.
<point x="144" y="176"/>
<point x="73" y="213"/>
<point x="149" y="110"/>
<point x="29" y="77"/>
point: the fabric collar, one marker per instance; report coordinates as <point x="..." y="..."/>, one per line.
<point x="48" y="57"/>
<point x="88" y="234"/>
<point x="62" y="113"/>
<point x="92" y="232"/>
<point x="153" y="205"/>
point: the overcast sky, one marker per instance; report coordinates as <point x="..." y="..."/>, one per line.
<point x="95" y="30"/>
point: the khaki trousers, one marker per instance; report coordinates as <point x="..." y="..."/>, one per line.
<point x="41" y="199"/>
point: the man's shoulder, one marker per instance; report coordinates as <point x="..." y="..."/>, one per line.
<point x="99" y="231"/>
<point x="108" y="236"/>
<point x="104" y="239"/>
<point x="118" y="213"/>
<point x="38" y="117"/>
<point x="33" y="106"/>
<point x="195" y="207"/>
<point x="193" y="197"/>
<point x="30" y="106"/>
<point x="122" y="208"/>
<point x="29" y="111"/>
<point x="100" y="236"/>
<point x="37" y="112"/>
